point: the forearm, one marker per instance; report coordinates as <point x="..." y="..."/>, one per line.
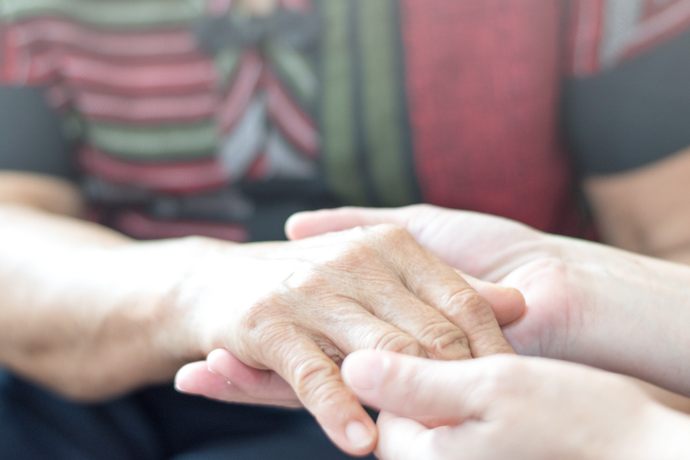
<point x="663" y="434"/>
<point x="635" y="313"/>
<point x="42" y="192"/>
<point x="84" y="310"/>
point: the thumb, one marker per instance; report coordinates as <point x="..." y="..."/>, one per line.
<point x="508" y="304"/>
<point x="417" y="388"/>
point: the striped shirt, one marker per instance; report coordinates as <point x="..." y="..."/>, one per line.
<point x="195" y="117"/>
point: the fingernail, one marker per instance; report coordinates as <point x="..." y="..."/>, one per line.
<point x="358" y="435"/>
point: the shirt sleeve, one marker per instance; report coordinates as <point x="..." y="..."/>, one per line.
<point x="30" y="136"/>
<point x="624" y="108"/>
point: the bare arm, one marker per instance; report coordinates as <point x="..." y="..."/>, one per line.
<point x="647" y="211"/>
<point x="40" y="192"/>
<point x="66" y="320"/>
<point x="92" y="314"/>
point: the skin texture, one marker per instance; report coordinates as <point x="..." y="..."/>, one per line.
<point x="41" y="192"/>
<point x="224" y="377"/>
<point x="511" y="407"/>
<point x="584" y="300"/>
<point x="92" y="314"/>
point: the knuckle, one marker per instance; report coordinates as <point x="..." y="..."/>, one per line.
<point x="256" y="319"/>
<point x="394" y="234"/>
<point x="330" y="350"/>
<point x="399" y="342"/>
<point x="264" y="332"/>
<point x="329" y="396"/>
<point x="356" y="253"/>
<point x="305" y="281"/>
<point x="444" y="341"/>
<point x="469" y="304"/>
<point x="315" y="379"/>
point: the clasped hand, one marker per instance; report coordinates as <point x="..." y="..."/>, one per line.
<point x="295" y="310"/>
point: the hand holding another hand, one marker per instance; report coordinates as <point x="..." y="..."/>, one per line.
<point x="294" y="310"/>
<point x="585" y="301"/>
<point x="510" y="407"/>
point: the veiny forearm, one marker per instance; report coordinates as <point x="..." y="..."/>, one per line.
<point x="83" y="309"/>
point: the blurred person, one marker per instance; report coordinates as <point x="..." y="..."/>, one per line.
<point x="222" y="118"/>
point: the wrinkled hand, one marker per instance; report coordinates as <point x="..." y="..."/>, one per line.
<point x="294" y="310"/>
<point x="487" y="247"/>
<point x="224" y="377"/>
<point x="510" y="407"/>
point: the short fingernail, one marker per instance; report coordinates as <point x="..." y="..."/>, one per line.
<point x="358" y="435"/>
<point x="367" y="372"/>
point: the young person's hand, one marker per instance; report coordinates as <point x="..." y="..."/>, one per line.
<point x="586" y="302"/>
<point x="506" y="406"/>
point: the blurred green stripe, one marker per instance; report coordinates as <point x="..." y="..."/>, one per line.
<point x="382" y="110"/>
<point x="159" y="143"/>
<point x="338" y="114"/>
<point x="123" y="13"/>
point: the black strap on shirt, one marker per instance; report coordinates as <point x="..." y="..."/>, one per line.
<point x="30" y="136"/>
<point x="632" y="115"/>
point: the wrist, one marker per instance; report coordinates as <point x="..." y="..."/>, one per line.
<point x="144" y="329"/>
<point x="614" y="296"/>
<point x="169" y="276"/>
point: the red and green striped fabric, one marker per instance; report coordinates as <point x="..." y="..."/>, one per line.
<point x="387" y="102"/>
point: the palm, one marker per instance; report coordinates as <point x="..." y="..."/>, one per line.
<point x="512" y="255"/>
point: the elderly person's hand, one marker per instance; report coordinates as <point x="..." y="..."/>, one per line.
<point x="510" y="407"/>
<point x="224" y="377"/>
<point x="299" y="308"/>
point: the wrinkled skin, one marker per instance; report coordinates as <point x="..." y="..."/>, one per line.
<point x="584" y="300"/>
<point x="294" y="310"/>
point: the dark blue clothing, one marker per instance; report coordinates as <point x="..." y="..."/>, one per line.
<point x="153" y="424"/>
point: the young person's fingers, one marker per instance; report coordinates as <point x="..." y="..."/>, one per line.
<point x="398" y="437"/>
<point x="307" y="224"/>
<point x="255" y="383"/>
<point x="197" y="379"/>
<point x="420" y="388"/>
<point x="508" y="304"/>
